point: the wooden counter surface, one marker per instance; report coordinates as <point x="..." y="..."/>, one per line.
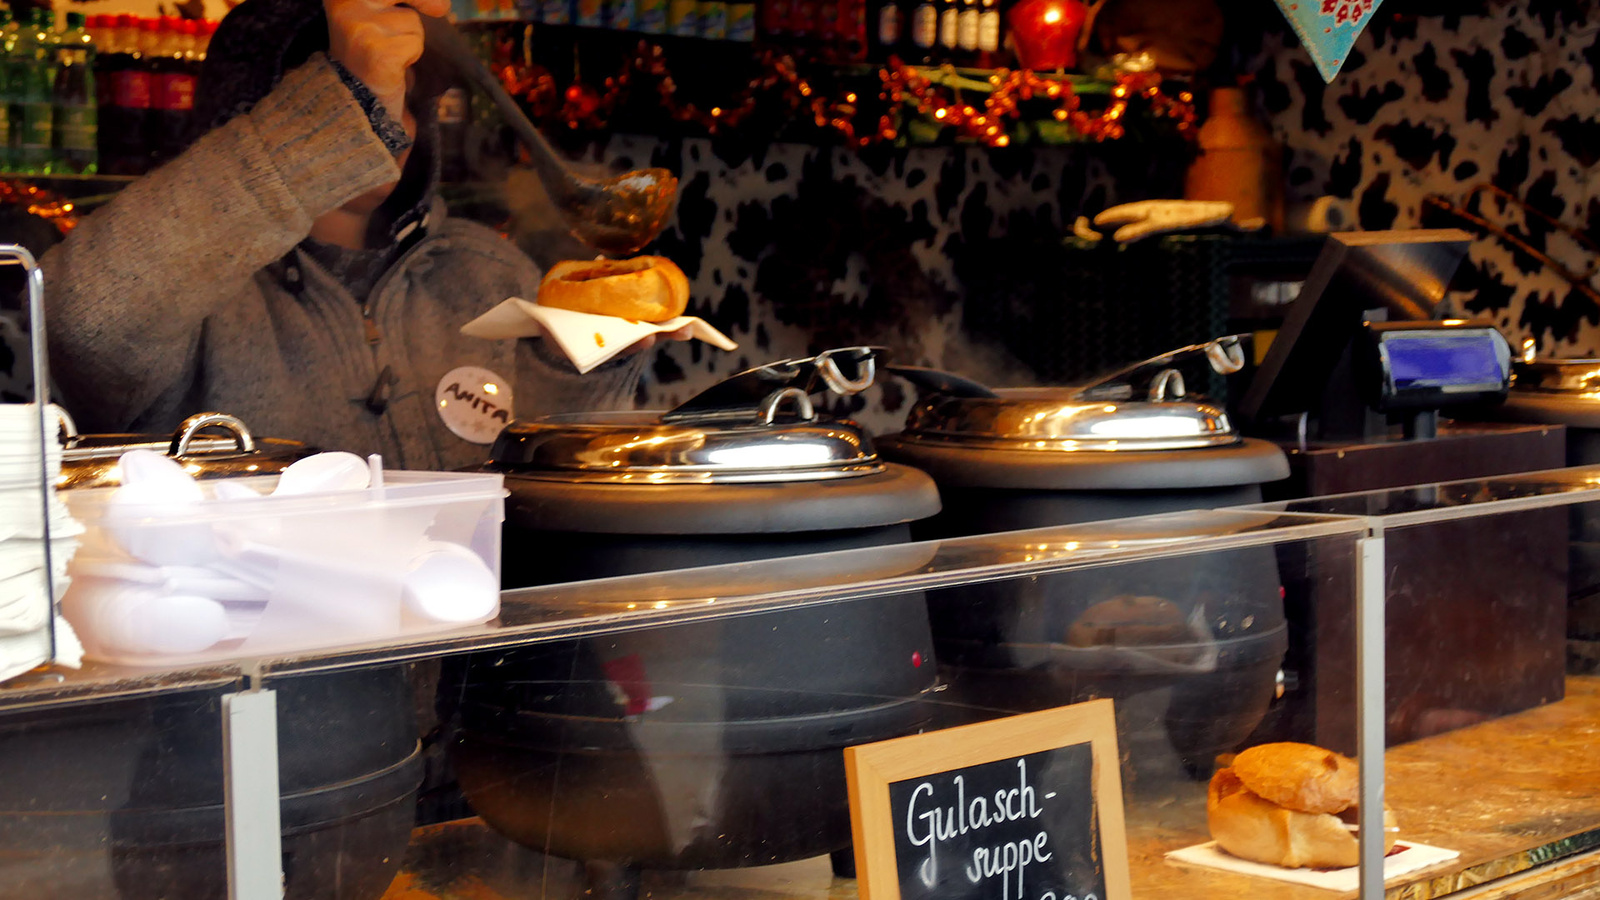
<point x="1517" y="796"/>
<point x="1510" y="794"/>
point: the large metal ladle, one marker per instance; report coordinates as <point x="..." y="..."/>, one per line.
<point x="616" y="215"/>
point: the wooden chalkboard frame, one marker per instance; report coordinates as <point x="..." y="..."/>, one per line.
<point x="871" y="768"/>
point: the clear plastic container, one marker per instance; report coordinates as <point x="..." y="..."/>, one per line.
<point x="235" y="575"/>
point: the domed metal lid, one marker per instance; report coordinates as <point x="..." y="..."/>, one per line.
<point x="638" y="448"/>
<point x="1575" y="377"/>
<point x="90" y="460"/>
<point x="1061" y="420"/>
<point x="758" y="426"/>
<point x="1552" y="391"/>
<point x="1102" y="416"/>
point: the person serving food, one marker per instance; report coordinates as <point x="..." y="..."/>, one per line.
<point x="295" y="267"/>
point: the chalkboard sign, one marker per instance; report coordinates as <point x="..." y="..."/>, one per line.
<point x="1023" y="808"/>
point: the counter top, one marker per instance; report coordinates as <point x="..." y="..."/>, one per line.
<point x="1511" y="795"/>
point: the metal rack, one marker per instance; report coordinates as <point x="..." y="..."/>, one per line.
<point x="14" y="254"/>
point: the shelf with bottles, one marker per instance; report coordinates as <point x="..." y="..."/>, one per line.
<point x="96" y="95"/>
<point x="48" y="93"/>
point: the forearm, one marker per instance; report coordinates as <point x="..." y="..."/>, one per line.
<point x="129" y="288"/>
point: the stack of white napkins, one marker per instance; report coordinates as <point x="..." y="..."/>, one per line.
<point x="587" y="339"/>
<point x="1406" y="857"/>
<point x="26" y="607"/>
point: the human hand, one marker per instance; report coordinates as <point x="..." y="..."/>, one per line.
<point x="650" y="340"/>
<point x="378" y="41"/>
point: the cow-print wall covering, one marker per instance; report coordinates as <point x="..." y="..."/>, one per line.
<point x="1438" y="104"/>
<point x="795" y="248"/>
<point x="791" y="249"/>
<point x="1425" y="105"/>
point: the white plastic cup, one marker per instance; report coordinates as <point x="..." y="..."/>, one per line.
<point x="137" y="620"/>
<point x="447" y="583"/>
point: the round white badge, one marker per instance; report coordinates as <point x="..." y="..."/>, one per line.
<point x="474" y="403"/>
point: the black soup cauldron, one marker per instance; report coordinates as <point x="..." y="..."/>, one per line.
<point x="714" y="744"/>
<point x="1210" y="627"/>
<point x="124" y="798"/>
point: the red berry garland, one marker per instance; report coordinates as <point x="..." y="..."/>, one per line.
<point x="580" y="107"/>
<point x="39" y="202"/>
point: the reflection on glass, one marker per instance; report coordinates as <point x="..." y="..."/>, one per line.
<point x="1555" y="487"/>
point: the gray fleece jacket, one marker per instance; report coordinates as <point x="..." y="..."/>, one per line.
<point x="188" y="294"/>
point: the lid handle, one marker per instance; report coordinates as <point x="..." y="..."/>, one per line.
<point x="803" y="410"/>
<point x="192" y="426"/>
<point x="1167" y="385"/>
<point x="69" y="428"/>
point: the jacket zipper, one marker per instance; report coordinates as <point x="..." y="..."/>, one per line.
<point x="374" y="336"/>
<point x="377" y="401"/>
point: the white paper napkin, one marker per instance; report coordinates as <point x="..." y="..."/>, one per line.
<point x="587" y="339"/>
<point x="21" y="652"/>
<point x="1406" y="857"/>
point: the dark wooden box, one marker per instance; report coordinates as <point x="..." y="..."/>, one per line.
<point x="1476" y="608"/>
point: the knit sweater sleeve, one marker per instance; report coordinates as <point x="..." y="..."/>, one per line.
<point x="129" y="289"/>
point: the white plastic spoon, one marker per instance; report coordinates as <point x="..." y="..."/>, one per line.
<point x="156" y="489"/>
<point x="336" y="471"/>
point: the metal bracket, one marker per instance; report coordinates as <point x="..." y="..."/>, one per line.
<point x="1371" y="579"/>
<point x="250" y="799"/>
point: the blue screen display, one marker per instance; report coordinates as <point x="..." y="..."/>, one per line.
<point x="1438" y="361"/>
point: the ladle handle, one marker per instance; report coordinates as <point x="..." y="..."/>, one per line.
<point x="937" y="381"/>
<point x="1225" y="355"/>
<point x="446" y="41"/>
<point x="735" y="397"/>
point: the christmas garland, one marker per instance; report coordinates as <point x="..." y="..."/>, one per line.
<point x="1008" y="89"/>
<point x="935" y="94"/>
<point x="39" y="202"/>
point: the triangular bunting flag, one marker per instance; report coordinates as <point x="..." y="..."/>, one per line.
<point x="1328" y="28"/>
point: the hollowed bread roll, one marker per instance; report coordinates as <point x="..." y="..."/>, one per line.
<point x="1300" y="776"/>
<point x="1253" y="826"/>
<point x="645" y="288"/>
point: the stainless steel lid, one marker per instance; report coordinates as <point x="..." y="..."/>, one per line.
<point x="757" y="426"/>
<point x="1558" y="376"/>
<point x="1061" y="419"/>
<point x="638" y="448"/>
<point x="90" y="460"/>
<point x="1102" y="416"/>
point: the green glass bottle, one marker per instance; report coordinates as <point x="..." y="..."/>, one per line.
<point x="75" y="133"/>
<point x="8" y="41"/>
<point x="34" y="117"/>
